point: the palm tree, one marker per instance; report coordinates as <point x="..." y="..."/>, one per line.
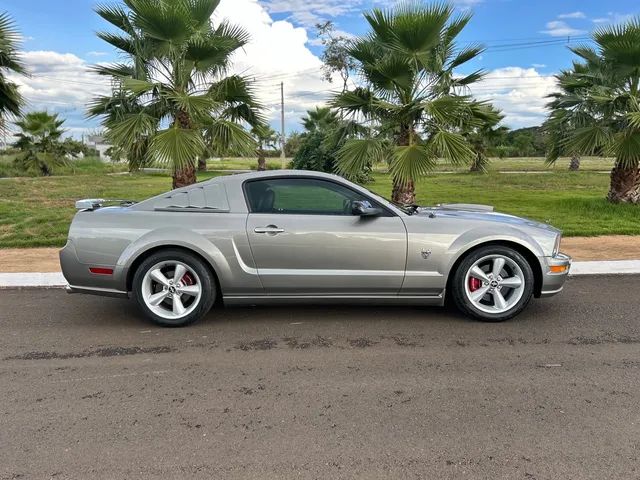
<point x="266" y="137"/>
<point x="174" y="94"/>
<point x="597" y="110"/>
<point x="562" y="119"/>
<point x="10" y="99"/>
<point x="483" y="134"/>
<point x="39" y="142"/>
<point x="411" y="95"/>
<point x="319" y="119"/>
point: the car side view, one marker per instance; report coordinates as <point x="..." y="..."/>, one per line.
<point x="299" y="236"/>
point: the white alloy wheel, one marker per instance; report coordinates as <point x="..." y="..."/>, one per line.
<point x="171" y="289"/>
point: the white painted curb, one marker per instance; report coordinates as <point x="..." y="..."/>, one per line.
<point x="607" y="267"/>
<point x="56" y="280"/>
<point x="27" y="280"/>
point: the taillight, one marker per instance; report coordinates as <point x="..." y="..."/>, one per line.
<point x="101" y="271"/>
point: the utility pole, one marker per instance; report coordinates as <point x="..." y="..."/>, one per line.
<point x="282" y="139"/>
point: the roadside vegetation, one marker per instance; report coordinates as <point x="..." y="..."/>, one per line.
<point x="37" y="211"/>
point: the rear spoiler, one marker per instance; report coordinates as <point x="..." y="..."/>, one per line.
<point x="95" y="203"/>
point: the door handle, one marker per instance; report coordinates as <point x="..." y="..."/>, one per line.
<point x="268" y="229"/>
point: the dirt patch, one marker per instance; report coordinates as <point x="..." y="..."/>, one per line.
<point x="13" y="260"/>
<point x="100" y="352"/>
<point x="607" y="247"/>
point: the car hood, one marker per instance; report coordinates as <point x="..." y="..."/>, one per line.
<point x="483" y="213"/>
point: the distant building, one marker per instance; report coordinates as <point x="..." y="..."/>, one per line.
<point x="100" y="144"/>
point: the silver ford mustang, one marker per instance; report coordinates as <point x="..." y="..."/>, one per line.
<point x="286" y="236"/>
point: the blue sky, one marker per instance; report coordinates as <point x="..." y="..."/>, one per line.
<point x="527" y="43"/>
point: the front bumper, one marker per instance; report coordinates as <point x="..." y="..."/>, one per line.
<point x="554" y="274"/>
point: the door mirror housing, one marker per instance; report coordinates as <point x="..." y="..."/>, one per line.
<point x="363" y="209"/>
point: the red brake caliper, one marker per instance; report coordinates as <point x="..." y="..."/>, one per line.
<point x="474" y="284"/>
<point x="187" y="279"/>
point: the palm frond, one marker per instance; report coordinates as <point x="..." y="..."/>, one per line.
<point x="227" y="135"/>
<point x="411" y="162"/>
<point x="588" y="140"/>
<point x="451" y="146"/>
<point x="358" y="153"/>
<point x="178" y="147"/>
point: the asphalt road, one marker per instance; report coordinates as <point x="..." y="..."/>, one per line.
<point x="88" y="389"/>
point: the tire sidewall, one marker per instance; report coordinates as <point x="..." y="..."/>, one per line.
<point x="459" y="292"/>
<point x="206" y="279"/>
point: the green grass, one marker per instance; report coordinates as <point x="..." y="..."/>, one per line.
<point x="37" y="211"/>
<point x="86" y="166"/>
<point x="532" y="164"/>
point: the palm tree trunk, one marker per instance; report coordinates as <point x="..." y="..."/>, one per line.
<point x="574" y="164"/>
<point x="202" y="164"/>
<point x="625" y="185"/>
<point x="262" y="162"/>
<point x="186" y="174"/>
<point x="476" y="164"/>
<point x="404" y="192"/>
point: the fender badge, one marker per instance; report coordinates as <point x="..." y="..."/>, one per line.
<point x="425" y="253"/>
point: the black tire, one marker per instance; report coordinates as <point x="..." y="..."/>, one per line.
<point x="208" y="286"/>
<point x="458" y="290"/>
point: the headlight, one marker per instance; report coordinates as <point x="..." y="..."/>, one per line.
<point x="556" y="246"/>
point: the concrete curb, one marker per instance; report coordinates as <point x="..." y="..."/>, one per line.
<point x="56" y="280"/>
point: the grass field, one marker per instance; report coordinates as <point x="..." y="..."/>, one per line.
<point x="37" y="211"/>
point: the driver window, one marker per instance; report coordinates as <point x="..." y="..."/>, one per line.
<point x="302" y="196"/>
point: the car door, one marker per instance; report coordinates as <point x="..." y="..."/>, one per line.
<point x="306" y="241"/>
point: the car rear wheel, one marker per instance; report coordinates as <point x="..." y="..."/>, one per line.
<point x="174" y="288"/>
<point x="493" y="284"/>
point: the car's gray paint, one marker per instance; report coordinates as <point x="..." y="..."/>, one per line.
<point x="316" y="256"/>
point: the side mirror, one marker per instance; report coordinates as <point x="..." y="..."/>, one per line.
<point x="364" y="210"/>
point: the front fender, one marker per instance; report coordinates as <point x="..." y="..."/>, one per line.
<point x="481" y="235"/>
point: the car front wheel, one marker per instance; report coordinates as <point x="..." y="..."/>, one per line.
<point x="174" y="288"/>
<point x="493" y="284"/>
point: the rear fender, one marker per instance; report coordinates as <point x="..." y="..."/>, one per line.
<point x="170" y="237"/>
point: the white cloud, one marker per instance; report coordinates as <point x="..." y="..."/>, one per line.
<point x="277" y="53"/>
<point x="538" y="65"/>
<point x="572" y="15"/>
<point x="558" y="28"/>
<point x="60" y="82"/>
<point x="310" y="12"/>
<point x="467" y="3"/>
<point x="519" y="92"/>
<point x="614" y="18"/>
<point x="95" y="53"/>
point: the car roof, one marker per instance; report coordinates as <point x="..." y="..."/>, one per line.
<point x="277" y="173"/>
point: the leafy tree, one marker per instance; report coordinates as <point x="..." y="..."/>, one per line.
<point x="599" y="104"/>
<point x="410" y="100"/>
<point x="266" y="137"/>
<point x="174" y="97"/>
<point x="292" y="145"/>
<point x="335" y="55"/>
<point x="10" y="99"/>
<point x="325" y="134"/>
<point x="39" y="143"/>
